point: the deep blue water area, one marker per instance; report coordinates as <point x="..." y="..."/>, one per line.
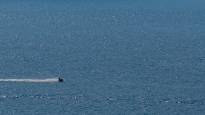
<point x="138" y="57"/>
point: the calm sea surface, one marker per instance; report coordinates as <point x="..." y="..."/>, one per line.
<point x="117" y="58"/>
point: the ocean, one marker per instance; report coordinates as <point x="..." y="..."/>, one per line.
<point x="116" y="57"/>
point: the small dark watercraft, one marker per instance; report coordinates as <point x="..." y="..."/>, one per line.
<point x="60" y="79"/>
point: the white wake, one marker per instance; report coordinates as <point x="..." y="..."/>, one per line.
<point x="47" y="80"/>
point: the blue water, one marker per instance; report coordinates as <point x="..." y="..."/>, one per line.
<point x="117" y="58"/>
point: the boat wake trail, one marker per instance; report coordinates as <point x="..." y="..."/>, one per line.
<point x="47" y="80"/>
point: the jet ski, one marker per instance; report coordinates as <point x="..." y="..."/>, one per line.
<point x="60" y="79"/>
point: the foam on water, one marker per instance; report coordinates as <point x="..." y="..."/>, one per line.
<point x="47" y="80"/>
